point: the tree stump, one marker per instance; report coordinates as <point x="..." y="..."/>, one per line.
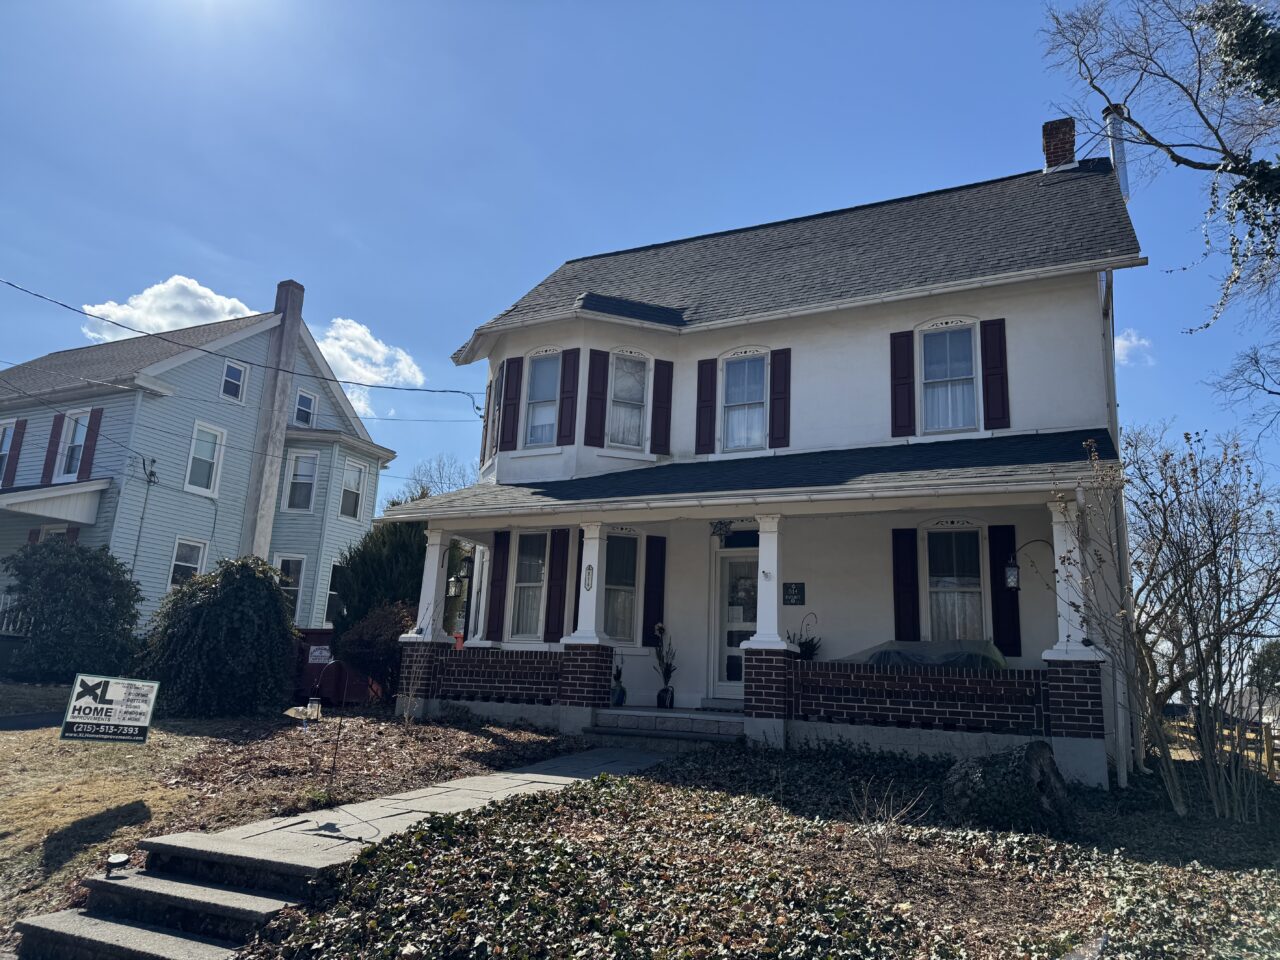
<point x="1019" y="789"/>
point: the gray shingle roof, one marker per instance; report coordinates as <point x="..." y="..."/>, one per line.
<point x="832" y="469"/>
<point x="1023" y="222"/>
<point x="114" y="361"/>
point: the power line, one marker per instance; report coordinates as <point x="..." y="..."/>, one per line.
<point x="469" y="394"/>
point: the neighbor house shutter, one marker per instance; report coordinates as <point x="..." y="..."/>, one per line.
<point x="597" y="398"/>
<point x="780" y="398"/>
<point x="705" y="416"/>
<point x="995" y="376"/>
<point x="90" y="444"/>
<point x="509" y="422"/>
<point x="51" y="452"/>
<point x="577" y="583"/>
<point x="33" y="535"/>
<point x="557" y="582"/>
<point x="15" y="448"/>
<point x="485" y="425"/>
<point x="495" y="621"/>
<point x="902" y="380"/>
<point x="906" y="585"/>
<point x="655" y="588"/>
<point x="567" y="413"/>
<point x="1006" y="625"/>
<point x="660" y="429"/>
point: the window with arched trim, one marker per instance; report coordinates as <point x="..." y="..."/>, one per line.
<point x="954" y="567"/>
<point x="628" y="398"/>
<point x="745" y="401"/>
<point x="948" y="375"/>
<point x="542" y="397"/>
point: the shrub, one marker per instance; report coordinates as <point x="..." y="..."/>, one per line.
<point x="223" y="644"/>
<point x="82" y="607"/>
<point x="372" y="645"/>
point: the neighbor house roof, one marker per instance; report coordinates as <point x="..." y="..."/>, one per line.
<point x="1029" y="222"/>
<point x="988" y="460"/>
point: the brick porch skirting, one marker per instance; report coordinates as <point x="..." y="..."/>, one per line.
<point x="578" y="675"/>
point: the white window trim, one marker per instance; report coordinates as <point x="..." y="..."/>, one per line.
<point x="64" y="441"/>
<point x="526" y="420"/>
<point x="936" y="326"/>
<point x="48" y="530"/>
<point x="244" y="382"/>
<point x="513" y="566"/>
<point x="645" y="418"/>
<point x="204" y="555"/>
<point x="288" y="482"/>
<point x="302" y="577"/>
<point x="8" y="424"/>
<point x="742" y="353"/>
<point x="949" y="525"/>
<point x="219" y="446"/>
<point x="364" y="478"/>
<point x="315" y="404"/>
<point x="637" y="605"/>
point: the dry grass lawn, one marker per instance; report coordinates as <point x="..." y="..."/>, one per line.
<point x="16" y="698"/>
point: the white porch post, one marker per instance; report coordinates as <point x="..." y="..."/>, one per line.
<point x="768" y="588"/>
<point x="590" y="610"/>
<point x="435" y="578"/>
<point x="1069" y="584"/>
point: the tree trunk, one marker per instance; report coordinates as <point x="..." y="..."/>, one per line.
<point x="1018" y="789"/>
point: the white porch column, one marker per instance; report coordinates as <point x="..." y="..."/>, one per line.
<point x="590" y="610"/>
<point x="768" y="589"/>
<point x="435" y="578"/>
<point x="1069" y="584"/>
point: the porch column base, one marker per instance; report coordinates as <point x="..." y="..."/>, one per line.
<point x="1081" y="761"/>
<point x="762" y="641"/>
<point x="1075" y="719"/>
<point x="1073" y="651"/>
<point x="419" y="672"/>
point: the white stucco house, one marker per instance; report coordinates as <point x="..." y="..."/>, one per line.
<point x="845" y="424"/>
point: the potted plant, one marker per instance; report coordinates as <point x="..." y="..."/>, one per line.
<point x="665" y="652"/>
<point x="617" y="693"/>
<point x="806" y="643"/>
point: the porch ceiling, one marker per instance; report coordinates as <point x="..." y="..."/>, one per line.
<point x="72" y="502"/>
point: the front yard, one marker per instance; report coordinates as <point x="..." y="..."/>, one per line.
<point x="17" y="698"/>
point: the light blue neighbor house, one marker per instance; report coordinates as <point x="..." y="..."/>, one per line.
<point x="178" y="450"/>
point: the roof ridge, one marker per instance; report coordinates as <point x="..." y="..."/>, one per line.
<point x="1097" y="164"/>
<point x="160" y="333"/>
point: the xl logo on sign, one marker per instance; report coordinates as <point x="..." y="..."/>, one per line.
<point x="97" y="692"/>
<point x="109" y="708"/>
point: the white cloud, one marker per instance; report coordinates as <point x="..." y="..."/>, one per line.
<point x="359" y="397"/>
<point x="177" y="302"/>
<point x="355" y="353"/>
<point x="1132" y="348"/>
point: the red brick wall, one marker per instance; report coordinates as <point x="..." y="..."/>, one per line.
<point x="1074" y="691"/>
<point x="767" y="680"/>
<point x="505" y="676"/>
<point x="586" y="675"/>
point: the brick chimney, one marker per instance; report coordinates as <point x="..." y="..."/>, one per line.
<point x="1059" y="143"/>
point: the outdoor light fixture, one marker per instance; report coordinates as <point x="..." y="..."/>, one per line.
<point x="454" y="587"/>
<point x="1011" y="573"/>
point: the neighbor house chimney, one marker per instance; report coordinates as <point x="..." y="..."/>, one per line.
<point x="1059" y="143"/>
<point x="1113" y="117"/>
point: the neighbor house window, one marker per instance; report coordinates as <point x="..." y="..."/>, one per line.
<point x="205" y="460"/>
<point x="626" y="401"/>
<point x="544" y="388"/>
<point x="744" y="403"/>
<point x="531" y="568"/>
<point x="950" y="396"/>
<point x="304" y="411"/>
<point x="71" y="445"/>
<point x="333" y="605"/>
<point x="620" y="588"/>
<point x="53" y="531"/>
<point x="290" y="568"/>
<point x="955" y="585"/>
<point x="352" y="486"/>
<point x="6" y="444"/>
<point x="233" y="377"/>
<point x="188" y="561"/>
<point x="301" y="488"/>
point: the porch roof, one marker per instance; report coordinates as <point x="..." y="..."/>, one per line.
<point x="75" y="502"/>
<point x="1034" y="457"/>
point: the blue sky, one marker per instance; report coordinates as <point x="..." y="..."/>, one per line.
<point x="418" y="166"/>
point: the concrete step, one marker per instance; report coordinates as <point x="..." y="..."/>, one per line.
<point x="655" y="741"/>
<point x="180" y="903"/>
<point x="661" y="722"/>
<point x="298" y="868"/>
<point x="79" y="935"/>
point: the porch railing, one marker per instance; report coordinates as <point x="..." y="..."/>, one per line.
<point x="13" y="623"/>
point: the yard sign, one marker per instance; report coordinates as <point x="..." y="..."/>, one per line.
<point x="109" y="708"/>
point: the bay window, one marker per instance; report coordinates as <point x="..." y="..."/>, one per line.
<point x="626" y="401"/>
<point x="531" y="570"/>
<point x="542" y="400"/>
<point x="955" y="585"/>
<point x="950" y="393"/>
<point x="352" y="487"/>
<point x="620" y="588"/>
<point x="744" y="403"/>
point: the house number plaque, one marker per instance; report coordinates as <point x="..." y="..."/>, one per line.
<point x="793" y="594"/>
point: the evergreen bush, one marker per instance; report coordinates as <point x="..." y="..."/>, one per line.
<point x="372" y="645"/>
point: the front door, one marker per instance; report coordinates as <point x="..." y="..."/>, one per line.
<point x="737" y="618"/>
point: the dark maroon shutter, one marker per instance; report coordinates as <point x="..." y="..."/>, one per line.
<point x="655" y="588"/>
<point x="484" y="424"/>
<point x="73" y="534"/>
<point x="995" y="376"/>
<point x="51" y="452"/>
<point x="597" y="398"/>
<point x="780" y="398"/>
<point x="15" y="449"/>
<point x="495" y="620"/>
<point x="660" y="429"/>
<point x="1006" y="624"/>
<point x="33" y="535"/>
<point x="906" y="586"/>
<point x="557" y="582"/>
<point x="705" y="417"/>
<point x="902" y="379"/>
<point x="509" y="422"/>
<point x="90" y="444"/>
<point x="577" y="583"/>
<point x="567" y="415"/>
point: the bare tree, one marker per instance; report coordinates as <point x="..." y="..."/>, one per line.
<point x="430" y="478"/>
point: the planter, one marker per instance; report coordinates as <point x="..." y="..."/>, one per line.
<point x="618" y="695"/>
<point x="666" y="698"/>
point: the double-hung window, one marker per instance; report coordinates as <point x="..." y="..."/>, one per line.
<point x="188" y="561"/>
<point x="531" y="570"/>
<point x="304" y="409"/>
<point x="626" y="401"/>
<point x="544" y="390"/>
<point x="301" y="488"/>
<point x="290" y="568"/>
<point x="71" y="445"/>
<point x="950" y="394"/>
<point x="6" y="445"/>
<point x="744" y="403"/>
<point x="620" y="588"/>
<point x="233" y="381"/>
<point x="352" y="487"/>
<point x="955" y="585"/>
<point x="204" y="462"/>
